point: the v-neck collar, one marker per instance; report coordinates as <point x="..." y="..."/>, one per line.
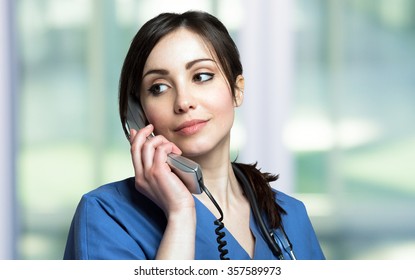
<point x="206" y="235"/>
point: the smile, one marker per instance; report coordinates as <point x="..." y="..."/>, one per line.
<point x="190" y="127"/>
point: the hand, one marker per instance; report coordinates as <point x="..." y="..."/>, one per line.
<point x="153" y="176"/>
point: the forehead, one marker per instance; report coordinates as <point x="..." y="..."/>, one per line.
<point x="179" y="46"/>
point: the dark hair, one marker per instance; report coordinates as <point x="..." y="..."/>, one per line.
<point x="215" y="33"/>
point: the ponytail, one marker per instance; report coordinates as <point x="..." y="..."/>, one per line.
<point x="260" y="183"/>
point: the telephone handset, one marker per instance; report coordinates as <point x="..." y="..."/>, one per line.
<point x="187" y="170"/>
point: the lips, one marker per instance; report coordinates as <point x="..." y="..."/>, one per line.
<point x="190" y="127"/>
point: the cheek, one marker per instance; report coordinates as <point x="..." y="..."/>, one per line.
<point x="157" y="112"/>
<point x="156" y="116"/>
<point x="223" y="107"/>
<point x="158" y="120"/>
<point x="223" y="101"/>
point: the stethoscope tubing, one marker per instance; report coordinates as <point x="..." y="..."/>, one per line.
<point x="269" y="235"/>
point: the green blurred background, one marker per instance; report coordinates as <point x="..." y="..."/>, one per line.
<point x="350" y="131"/>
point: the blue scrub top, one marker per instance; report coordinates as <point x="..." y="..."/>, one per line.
<point x="117" y="222"/>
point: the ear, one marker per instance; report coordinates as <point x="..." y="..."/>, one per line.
<point x="239" y="91"/>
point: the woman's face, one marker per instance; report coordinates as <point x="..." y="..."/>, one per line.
<point x="185" y="95"/>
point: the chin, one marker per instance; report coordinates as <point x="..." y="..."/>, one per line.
<point x="203" y="148"/>
<point x="193" y="153"/>
<point x="194" y="148"/>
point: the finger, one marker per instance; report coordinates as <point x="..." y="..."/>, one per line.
<point x="161" y="154"/>
<point x="144" y="132"/>
<point x="148" y="150"/>
<point x="137" y="140"/>
<point x="133" y="133"/>
<point x="176" y="150"/>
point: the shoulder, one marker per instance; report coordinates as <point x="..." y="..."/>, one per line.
<point x="298" y="227"/>
<point x="289" y="203"/>
<point x="116" y="197"/>
<point x="118" y="189"/>
<point x="121" y="193"/>
<point x="296" y="216"/>
<point x="104" y="200"/>
<point x="115" y="221"/>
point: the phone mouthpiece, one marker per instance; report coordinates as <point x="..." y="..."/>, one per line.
<point x="188" y="171"/>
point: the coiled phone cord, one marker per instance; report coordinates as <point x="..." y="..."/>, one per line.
<point x="220" y="225"/>
<point x="268" y="234"/>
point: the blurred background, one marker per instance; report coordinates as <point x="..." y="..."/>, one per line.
<point x="329" y="105"/>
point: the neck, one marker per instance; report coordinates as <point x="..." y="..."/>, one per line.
<point x="220" y="180"/>
<point x="218" y="174"/>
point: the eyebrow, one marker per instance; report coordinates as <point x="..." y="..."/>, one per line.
<point x="188" y="65"/>
<point x="156" y="71"/>
<point x="193" y="62"/>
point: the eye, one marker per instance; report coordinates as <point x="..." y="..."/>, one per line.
<point x="157" y="89"/>
<point x="203" y="77"/>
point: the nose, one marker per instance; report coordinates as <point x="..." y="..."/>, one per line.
<point x="184" y="101"/>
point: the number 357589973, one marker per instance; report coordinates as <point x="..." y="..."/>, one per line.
<point x="254" y="270"/>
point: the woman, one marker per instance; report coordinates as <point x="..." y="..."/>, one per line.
<point x="185" y="74"/>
